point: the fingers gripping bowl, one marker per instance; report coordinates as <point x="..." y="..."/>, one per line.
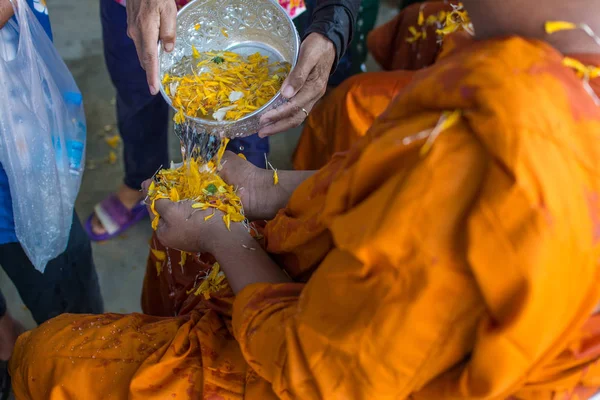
<point x="244" y="27"/>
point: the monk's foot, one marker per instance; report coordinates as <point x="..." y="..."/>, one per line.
<point x="10" y="329"/>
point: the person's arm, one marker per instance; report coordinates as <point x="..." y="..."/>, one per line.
<point x="149" y="21"/>
<point x="279" y="195"/>
<point x="261" y="197"/>
<point x="324" y="43"/>
<point x="6" y="12"/>
<point x="244" y="261"/>
<point x="336" y="20"/>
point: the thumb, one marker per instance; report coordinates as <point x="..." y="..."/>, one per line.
<point x="165" y="208"/>
<point x="297" y="77"/>
<point x="145" y="186"/>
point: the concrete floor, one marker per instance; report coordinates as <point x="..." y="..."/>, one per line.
<point x="121" y="262"/>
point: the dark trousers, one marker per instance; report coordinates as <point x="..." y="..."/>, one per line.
<point x="143" y="119"/>
<point x="69" y="283"/>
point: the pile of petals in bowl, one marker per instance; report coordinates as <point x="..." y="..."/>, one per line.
<point x="222" y="85"/>
<point x="200" y="184"/>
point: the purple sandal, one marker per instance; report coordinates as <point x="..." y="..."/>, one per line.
<point x="115" y="218"/>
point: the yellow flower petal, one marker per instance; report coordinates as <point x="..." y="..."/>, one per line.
<point x="432" y="19"/>
<point x="209" y="216"/>
<point x="575" y="64"/>
<point x="450" y="119"/>
<point x="221" y="75"/>
<point x="159" y="254"/>
<point x="583" y="71"/>
<point x="222" y="150"/>
<point x="557" y="26"/>
<point x="155" y="221"/>
<point x="195" y="52"/>
<point x="179" y="117"/>
<point x="113" y="141"/>
<point x="213" y="282"/>
<point x="227" y="220"/>
<point x="199" y="183"/>
<point x="174" y="195"/>
<point x="447" y="120"/>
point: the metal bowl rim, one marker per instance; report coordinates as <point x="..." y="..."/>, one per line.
<point x="260" y="110"/>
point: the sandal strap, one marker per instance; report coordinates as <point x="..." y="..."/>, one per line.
<point x="112" y="214"/>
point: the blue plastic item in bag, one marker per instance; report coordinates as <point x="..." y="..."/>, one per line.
<point x="42" y="136"/>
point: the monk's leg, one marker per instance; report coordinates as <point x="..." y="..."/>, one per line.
<point x="129" y="357"/>
<point x="345" y="115"/>
<point x="170" y="275"/>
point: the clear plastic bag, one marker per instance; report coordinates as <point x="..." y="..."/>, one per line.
<point x="42" y="136"/>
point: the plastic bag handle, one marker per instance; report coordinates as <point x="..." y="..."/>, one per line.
<point x="23" y="14"/>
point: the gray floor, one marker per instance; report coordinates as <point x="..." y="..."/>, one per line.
<point x="120" y="262"/>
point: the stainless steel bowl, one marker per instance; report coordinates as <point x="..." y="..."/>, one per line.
<point x="252" y="26"/>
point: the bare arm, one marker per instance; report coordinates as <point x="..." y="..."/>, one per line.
<point x="244" y="261"/>
<point x="280" y="194"/>
<point x="6" y="12"/>
<point x="261" y="197"/>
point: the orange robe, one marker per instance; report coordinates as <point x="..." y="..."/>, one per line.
<point x="468" y="272"/>
<point x="349" y="110"/>
<point x="345" y="115"/>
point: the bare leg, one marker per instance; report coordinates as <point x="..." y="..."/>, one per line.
<point x="128" y="196"/>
